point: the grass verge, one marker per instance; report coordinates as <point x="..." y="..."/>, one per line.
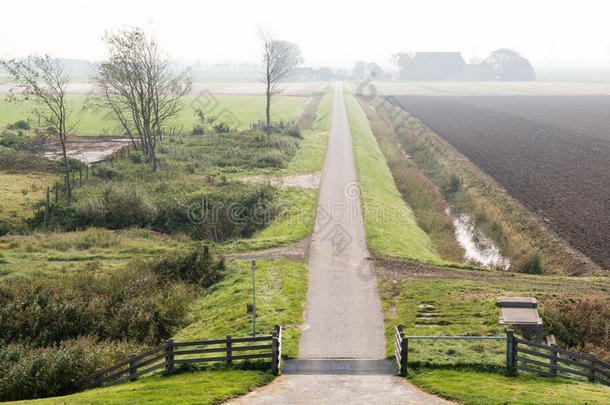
<point x="203" y="387"/>
<point x="486" y="388"/>
<point x="390" y="225"/>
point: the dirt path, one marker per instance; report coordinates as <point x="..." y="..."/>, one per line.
<point x="342" y="349"/>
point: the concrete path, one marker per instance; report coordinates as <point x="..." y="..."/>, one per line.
<point x="342" y="350"/>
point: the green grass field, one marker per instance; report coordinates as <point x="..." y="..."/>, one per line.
<point x="19" y="192"/>
<point x="391" y="228"/>
<point x="203" y="387"/>
<point x="281" y="288"/>
<point x="238" y="111"/>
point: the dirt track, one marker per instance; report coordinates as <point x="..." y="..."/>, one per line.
<point x="555" y="163"/>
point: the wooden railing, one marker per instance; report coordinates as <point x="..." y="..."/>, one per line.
<point x="163" y="358"/>
<point x="551" y="361"/>
<point x="529" y="353"/>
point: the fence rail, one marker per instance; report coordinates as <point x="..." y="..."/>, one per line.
<point x="163" y="358"/>
<point x="545" y="360"/>
<point x="521" y="355"/>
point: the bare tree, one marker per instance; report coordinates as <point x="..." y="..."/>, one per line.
<point x="43" y="80"/>
<point x="138" y="87"/>
<point x="279" y="60"/>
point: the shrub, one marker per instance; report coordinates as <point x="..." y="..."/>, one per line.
<point x="198" y="130"/>
<point x="16" y="141"/>
<point x="27" y="372"/>
<point x="106" y="172"/>
<point x="21" y="124"/>
<point x="136" y="157"/>
<point x="221" y="128"/>
<point x="19" y="160"/>
<point x="581" y="324"/>
<point x="532" y="265"/>
<point x="270" y="158"/>
<point x="452" y="186"/>
<point x="195" y="266"/>
<point x="118" y="304"/>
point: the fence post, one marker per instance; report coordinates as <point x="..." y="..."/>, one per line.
<point x="46" y="207"/>
<point x="404" y="354"/>
<point x="275" y="352"/>
<point x="132" y="368"/>
<point x="510" y="351"/>
<point x="591" y="376"/>
<point x="229" y="351"/>
<point x="550" y="340"/>
<point x="169" y="357"/>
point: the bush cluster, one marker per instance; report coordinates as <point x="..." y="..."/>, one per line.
<point x="127" y="304"/>
<point x="27" y="372"/>
<point x="581" y="324"/>
<point x="20" y="160"/>
<point x="194" y="266"/>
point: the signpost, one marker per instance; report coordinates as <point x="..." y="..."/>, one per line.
<point x="253" y="301"/>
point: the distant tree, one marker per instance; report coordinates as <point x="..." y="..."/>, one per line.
<point x="375" y="71"/>
<point x="359" y="70"/>
<point x="43" y="80"/>
<point x="404" y="62"/>
<point x="280" y="58"/>
<point x="509" y="65"/>
<point x="139" y="87"/>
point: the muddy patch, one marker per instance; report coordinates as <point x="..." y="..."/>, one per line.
<point x="88" y="152"/>
<point x="308" y="181"/>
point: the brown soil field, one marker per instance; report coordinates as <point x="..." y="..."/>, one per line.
<point x="551" y="153"/>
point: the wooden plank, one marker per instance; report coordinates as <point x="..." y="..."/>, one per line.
<point x="200" y="351"/>
<point x="555" y="349"/>
<point x="541" y="372"/>
<point x="457" y="337"/>
<point x="252" y="339"/>
<point x="256" y="347"/>
<point x="253" y="356"/>
<point x="151" y="361"/>
<point x="136" y="375"/>
<point x="600" y="380"/>
<point x="559" y="359"/>
<point x="602" y="363"/>
<point x="199" y="360"/>
<point x="201" y="343"/>
<point x="554" y="367"/>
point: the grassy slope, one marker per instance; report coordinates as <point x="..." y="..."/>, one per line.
<point x="297" y="219"/>
<point x="206" y="387"/>
<point x="247" y="109"/>
<point x="395" y="232"/>
<point x="281" y="288"/>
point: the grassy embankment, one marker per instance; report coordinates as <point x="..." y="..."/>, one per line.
<point x="494" y="213"/>
<point x="389" y="222"/>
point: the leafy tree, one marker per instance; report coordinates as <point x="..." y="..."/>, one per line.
<point x="509" y="65"/>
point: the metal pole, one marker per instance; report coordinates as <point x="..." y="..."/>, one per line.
<point x="253" y="301"/>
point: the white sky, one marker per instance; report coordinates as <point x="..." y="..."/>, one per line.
<point x="328" y="32"/>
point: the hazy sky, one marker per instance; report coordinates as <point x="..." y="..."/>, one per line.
<point x="328" y="32"/>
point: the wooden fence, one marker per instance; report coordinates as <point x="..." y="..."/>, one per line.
<point x="519" y="352"/>
<point x="401" y="345"/>
<point x="551" y="361"/>
<point x="163" y="358"/>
